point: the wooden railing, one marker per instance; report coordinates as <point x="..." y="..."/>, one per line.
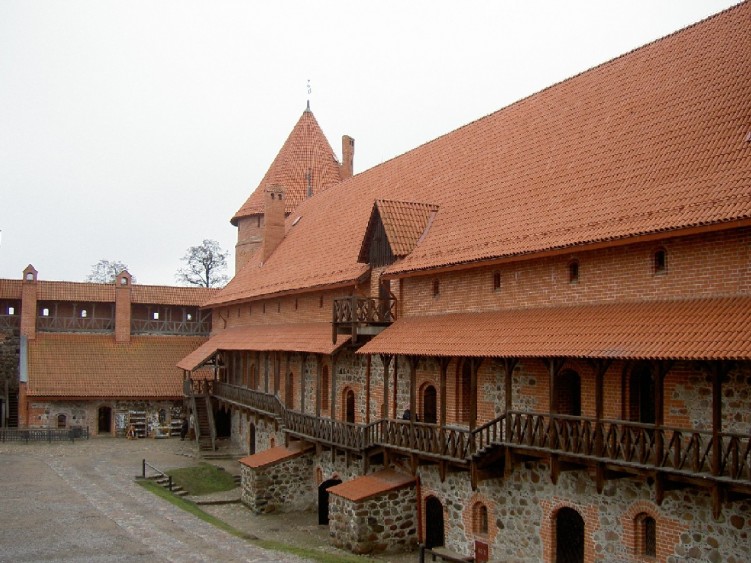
<point x="10" y="321"/>
<point x="624" y="443"/>
<point x="150" y="326"/>
<point x="355" y="314"/>
<point x="75" y="324"/>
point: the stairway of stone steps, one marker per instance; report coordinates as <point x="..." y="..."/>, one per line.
<point x="163" y="481"/>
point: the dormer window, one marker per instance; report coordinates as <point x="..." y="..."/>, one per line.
<point x="660" y="261"/>
<point x="573" y="271"/>
<point x="123" y="280"/>
<point x="29" y="276"/>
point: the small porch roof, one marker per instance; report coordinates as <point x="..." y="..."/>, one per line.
<point x="301" y="337"/>
<point x="367" y="486"/>
<point x="689" y="329"/>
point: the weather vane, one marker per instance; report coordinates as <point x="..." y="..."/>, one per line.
<point x="309" y="88"/>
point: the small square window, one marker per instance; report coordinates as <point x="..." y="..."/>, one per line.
<point x="11" y="310"/>
<point x="155" y="316"/>
<point x="189" y="317"/>
<point x="45" y="312"/>
<point x="84" y="313"/>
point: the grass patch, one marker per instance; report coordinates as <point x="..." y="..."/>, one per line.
<point x="196" y="511"/>
<point x="202" y="479"/>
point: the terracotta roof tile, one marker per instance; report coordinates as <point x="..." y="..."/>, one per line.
<point x="81" y="365"/>
<point x="361" y="488"/>
<point x="404" y="224"/>
<point x="275" y="455"/>
<point x="302" y="337"/>
<point x="650" y="142"/>
<point x="305" y="161"/>
<point x="690" y="329"/>
<point x="105" y="292"/>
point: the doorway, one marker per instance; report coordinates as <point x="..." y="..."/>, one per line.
<point x="104" y="420"/>
<point x="429" y="405"/>
<point x="569" y="536"/>
<point x="433" y="523"/>
<point x="349" y="400"/>
<point x="323" y="500"/>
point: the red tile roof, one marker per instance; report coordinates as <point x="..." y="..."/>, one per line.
<point x="274" y="455"/>
<point x="301" y="337"/>
<point x="404" y="224"/>
<point x="78" y="365"/>
<point x="691" y="329"/>
<point x="651" y="142"/>
<point x="367" y="486"/>
<point x="305" y="162"/>
<point x="105" y="292"/>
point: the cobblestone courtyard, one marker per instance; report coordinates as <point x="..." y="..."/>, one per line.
<point x="79" y="502"/>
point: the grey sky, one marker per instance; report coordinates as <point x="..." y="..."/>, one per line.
<point x="131" y="130"/>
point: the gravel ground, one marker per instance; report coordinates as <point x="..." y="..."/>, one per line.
<point x="80" y="502"/>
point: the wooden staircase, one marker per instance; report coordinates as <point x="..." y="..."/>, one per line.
<point x="203" y="423"/>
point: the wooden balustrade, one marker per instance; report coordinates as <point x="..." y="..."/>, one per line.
<point x="629" y="444"/>
<point x="361" y="315"/>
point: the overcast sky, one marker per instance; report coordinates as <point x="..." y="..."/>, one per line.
<point x="131" y="130"/>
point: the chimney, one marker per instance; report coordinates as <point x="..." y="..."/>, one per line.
<point x="29" y="303"/>
<point x="348" y="156"/>
<point x="273" y="220"/>
<point x="123" y="284"/>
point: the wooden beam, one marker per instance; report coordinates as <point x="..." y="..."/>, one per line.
<point x="443" y="362"/>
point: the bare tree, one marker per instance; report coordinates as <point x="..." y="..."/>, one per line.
<point x="205" y="265"/>
<point x="106" y="271"/>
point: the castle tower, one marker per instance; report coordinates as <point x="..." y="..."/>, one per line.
<point x="305" y="165"/>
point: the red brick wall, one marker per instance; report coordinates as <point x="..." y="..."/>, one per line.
<point x="697" y="266"/>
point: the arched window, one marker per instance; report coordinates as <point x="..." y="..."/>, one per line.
<point x="480" y="519"/>
<point x="646" y="535"/>
<point x="162" y="416"/>
<point x="349" y="405"/>
<point x="62" y="421"/>
<point x="660" y="261"/>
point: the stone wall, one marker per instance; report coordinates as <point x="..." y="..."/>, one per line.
<point x="282" y="487"/>
<point x="384" y="523"/>
<point x="523" y="507"/>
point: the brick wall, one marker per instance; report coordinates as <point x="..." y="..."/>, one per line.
<point x="698" y="266"/>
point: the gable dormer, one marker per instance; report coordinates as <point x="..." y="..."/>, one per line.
<point x="394" y="230"/>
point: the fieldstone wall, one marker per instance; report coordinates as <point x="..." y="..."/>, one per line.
<point x="266" y="432"/>
<point x="281" y="487"/>
<point x="385" y="523"/>
<point x="523" y="509"/>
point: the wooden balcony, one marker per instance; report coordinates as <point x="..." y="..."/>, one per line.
<point x="362" y="316"/>
<point x="678" y="455"/>
<point x="75" y="324"/>
<point x="187" y="328"/>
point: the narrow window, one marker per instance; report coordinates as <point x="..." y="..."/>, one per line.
<point x="84" y="313"/>
<point x="648" y="530"/>
<point x="660" y="260"/>
<point x="155" y="316"/>
<point x="496" y="281"/>
<point x="295" y="303"/>
<point x="62" y="421"/>
<point x="436" y="288"/>
<point x="11" y="310"/>
<point x="573" y="271"/>
<point x="320" y="302"/>
<point x="278" y="306"/>
<point x="264" y="308"/>
<point x="45" y="312"/>
<point x="481" y="519"/>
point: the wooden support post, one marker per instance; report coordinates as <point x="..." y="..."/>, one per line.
<point x="414" y="362"/>
<point x="386" y="360"/>
<point x="444" y="364"/>
<point x="367" y="389"/>
<point x="332" y="404"/>
<point x="319" y="369"/>
<point x="303" y="356"/>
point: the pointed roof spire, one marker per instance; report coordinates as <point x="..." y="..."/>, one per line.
<point x="305" y="165"/>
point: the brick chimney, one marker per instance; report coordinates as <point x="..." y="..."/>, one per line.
<point x="273" y="220"/>
<point x="29" y="303"/>
<point x="123" y="289"/>
<point x="348" y="156"/>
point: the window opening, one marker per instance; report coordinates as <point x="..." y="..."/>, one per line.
<point x="436" y="288"/>
<point x="11" y="310"/>
<point x="573" y="271"/>
<point x="496" y="281"/>
<point x="84" y="313"/>
<point x="660" y="261"/>
<point x="649" y="536"/>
